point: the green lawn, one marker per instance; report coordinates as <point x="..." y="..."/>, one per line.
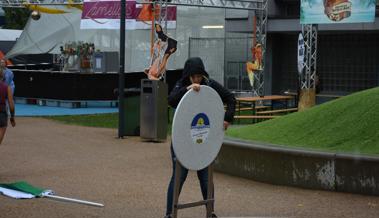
<point x="349" y="124"/>
<point x="97" y="120"/>
<point x="94" y="120"/>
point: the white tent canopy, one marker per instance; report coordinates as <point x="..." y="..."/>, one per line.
<point x="9" y="35"/>
<point x="51" y="31"/>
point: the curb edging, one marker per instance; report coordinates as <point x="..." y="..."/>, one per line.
<point x="301" y="168"/>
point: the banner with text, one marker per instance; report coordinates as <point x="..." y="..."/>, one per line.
<point x="337" y="11"/>
<point x="105" y="14"/>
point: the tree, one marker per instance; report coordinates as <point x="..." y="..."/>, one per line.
<point x="16" y="18"/>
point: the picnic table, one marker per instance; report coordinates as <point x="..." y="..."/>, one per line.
<point x="260" y="102"/>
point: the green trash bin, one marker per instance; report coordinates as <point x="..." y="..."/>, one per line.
<point x="132" y="112"/>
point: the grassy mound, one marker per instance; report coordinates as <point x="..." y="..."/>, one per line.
<point x="349" y="124"/>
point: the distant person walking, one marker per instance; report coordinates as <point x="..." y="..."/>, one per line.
<point x="6" y="96"/>
<point x="8" y="75"/>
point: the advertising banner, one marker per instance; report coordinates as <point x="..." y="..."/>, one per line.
<point x="300" y="53"/>
<point x="105" y="14"/>
<point x="337" y="11"/>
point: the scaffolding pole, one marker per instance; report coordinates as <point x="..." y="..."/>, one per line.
<point x="308" y="77"/>
<point x="258" y="87"/>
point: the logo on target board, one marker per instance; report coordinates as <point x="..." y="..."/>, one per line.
<point x="200" y="128"/>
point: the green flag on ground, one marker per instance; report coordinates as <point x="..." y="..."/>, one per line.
<point x="23" y="186"/>
<point x="23" y="189"/>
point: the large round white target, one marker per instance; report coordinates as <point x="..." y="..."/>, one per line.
<point x="197" y="130"/>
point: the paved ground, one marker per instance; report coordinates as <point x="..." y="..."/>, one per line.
<point x="130" y="177"/>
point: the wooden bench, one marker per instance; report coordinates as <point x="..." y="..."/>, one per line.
<point x="254" y="117"/>
<point x="250" y="108"/>
<point x="277" y="111"/>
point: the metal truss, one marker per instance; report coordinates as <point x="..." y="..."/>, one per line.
<point x="261" y="17"/>
<point x="260" y="8"/>
<point x="228" y="4"/>
<point x="21" y="3"/>
<point x="308" y="77"/>
<point x="16" y="3"/>
<point x="162" y="19"/>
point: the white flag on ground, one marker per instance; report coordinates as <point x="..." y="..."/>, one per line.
<point x="15" y="194"/>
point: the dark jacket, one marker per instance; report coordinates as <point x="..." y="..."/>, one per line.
<point x="196" y="66"/>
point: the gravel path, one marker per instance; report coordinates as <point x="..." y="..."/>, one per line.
<point x="130" y="177"/>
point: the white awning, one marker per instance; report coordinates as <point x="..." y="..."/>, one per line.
<point x="9" y="35"/>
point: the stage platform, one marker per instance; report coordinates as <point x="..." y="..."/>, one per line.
<point x="75" y="89"/>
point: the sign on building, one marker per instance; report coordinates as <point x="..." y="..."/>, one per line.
<point x="105" y="14"/>
<point x="337" y="11"/>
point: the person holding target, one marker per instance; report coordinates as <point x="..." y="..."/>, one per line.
<point x="194" y="76"/>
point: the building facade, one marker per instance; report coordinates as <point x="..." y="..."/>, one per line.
<point x="347" y="54"/>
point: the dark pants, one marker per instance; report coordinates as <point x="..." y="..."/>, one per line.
<point x="201" y="174"/>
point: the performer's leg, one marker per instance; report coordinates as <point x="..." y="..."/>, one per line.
<point x="203" y="179"/>
<point x="162" y="67"/>
<point x="2" y="133"/>
<point x="172" y="45"/>
<point x="153" y="72"/>
<point x="171" y="48"/>
<point x="160" y="33"/>
<point x="170" y="192"/>
<point x="204" y="176"/>
<point x="3" y="125"/>
<point x="250" y="72"/>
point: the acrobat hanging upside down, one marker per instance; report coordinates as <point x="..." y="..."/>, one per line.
<point x="256" y="64"/>
<point x="163" y="48"/>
